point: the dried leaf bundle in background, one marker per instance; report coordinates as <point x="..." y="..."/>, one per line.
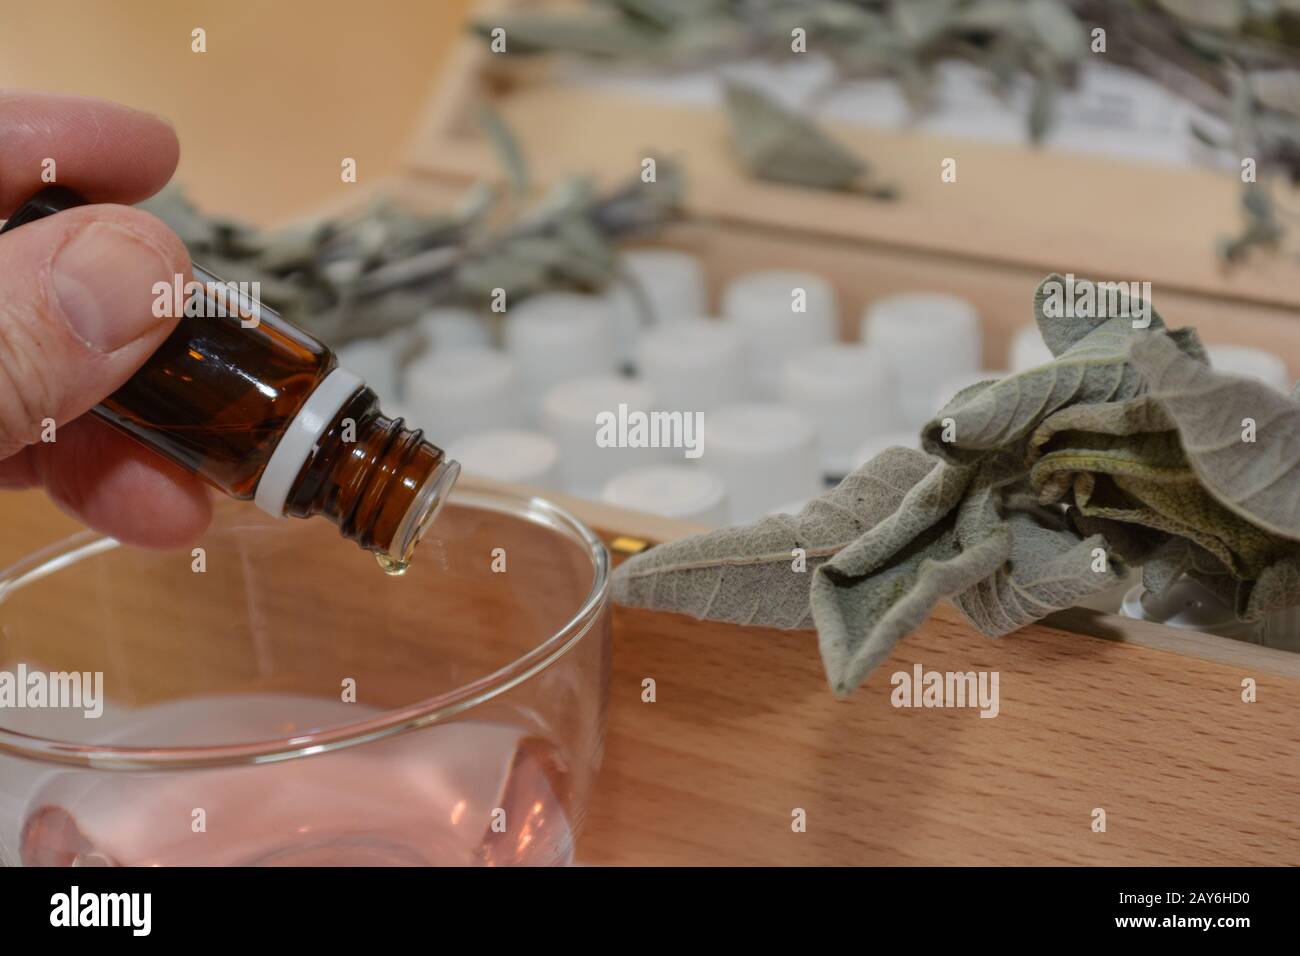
<point x="783" y="146"/>
<point x="377" y="270"/>
<point x="1033" y="492"/>
<point x="1238" y="60"/>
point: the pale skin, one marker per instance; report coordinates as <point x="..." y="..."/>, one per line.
<point x="74" y="327"/>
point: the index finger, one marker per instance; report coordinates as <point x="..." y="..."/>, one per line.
<point x="105" y="151"/>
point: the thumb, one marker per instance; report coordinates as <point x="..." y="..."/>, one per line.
<point x="76" y="312"/>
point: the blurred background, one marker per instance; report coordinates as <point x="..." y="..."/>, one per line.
<point x="283" y="89"/>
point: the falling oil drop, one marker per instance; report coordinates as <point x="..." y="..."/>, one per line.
<point x="392" y="566"/>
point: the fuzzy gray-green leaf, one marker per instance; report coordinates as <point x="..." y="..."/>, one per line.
<point x="1058" y="29"/>
<point x="745" y="575"/>
<point x="1277" y="588"/>
<point x="779" y="144"/>
<point x="1002" y="415"/>
<point x="1260" y="479"/>
<point x="1060" y="330"/>
<point x="1046" y="569"/>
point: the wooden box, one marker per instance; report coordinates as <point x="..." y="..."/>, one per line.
<point x="1099" y="712"/>
<point x="1014" y="214"/>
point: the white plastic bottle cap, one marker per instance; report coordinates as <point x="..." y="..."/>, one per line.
<point x="674" y="491"/>
<point x="375" y="360"/>
<point x="582" y="417"/>
<point x="1028" y="350"/>
<point x="1250" y="363"/>
<point x="928" y="338"/>
<point x="951" y="388"/>
<point x="451" y="327"/>
<point x="458" y="391"/>
<point x="523" y="457"/>
<point x="660" y="285"/>
<point x="1189" y="605"/>
<point x="763" y="307"/>
<point x="558" y="336"/>
<point x="878" y="443"/>
<point x="847" y="393"/>
<point x="766" y="454"/>
<point x="693" y="364"/>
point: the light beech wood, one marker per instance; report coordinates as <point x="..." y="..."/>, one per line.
<point x="1144" y="722"/>
<point x="744" y="731"/>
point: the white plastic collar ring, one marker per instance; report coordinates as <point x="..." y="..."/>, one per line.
<point x="300" y="438"/>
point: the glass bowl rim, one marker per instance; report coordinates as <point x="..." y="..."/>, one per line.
<point x="397" y="720"/>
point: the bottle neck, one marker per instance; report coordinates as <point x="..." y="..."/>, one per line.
<point x="380" y="482"/>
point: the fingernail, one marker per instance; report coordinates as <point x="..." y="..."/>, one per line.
<point x="103" y="280"/>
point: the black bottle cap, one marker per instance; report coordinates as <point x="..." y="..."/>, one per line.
<point x="48" y="201"/>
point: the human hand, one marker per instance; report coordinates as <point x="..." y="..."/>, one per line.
<point x="76" y="316"/>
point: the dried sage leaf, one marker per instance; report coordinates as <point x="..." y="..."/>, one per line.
<point x="1145" y="480"/>
<point x="1174" y="558"/>
<point x="1091" y="367"/>
<point x="884" y="584"/>
<point x="1261" y="228"/>
<point x="747" y="575"/>
<point x="1277" y="589"/>
<point x="1138" y="415"/>
<point x="1060" y="328"/>
<point x="507" y="149"/>
<point x="1258" y="480"/>
<point x="1056" y="26"/>
<point x="1133" y="543"/>
<point x="1047" y="569"/>
<point x="1005" y="412"/>
<point x="779" y="144"/>
<point x="863" y="609"/>
<point x="1124" y="461"/>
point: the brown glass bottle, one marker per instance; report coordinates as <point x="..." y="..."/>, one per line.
<point x="260" y="410"/>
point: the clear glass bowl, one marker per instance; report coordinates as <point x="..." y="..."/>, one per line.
<point x="274" y="698"/>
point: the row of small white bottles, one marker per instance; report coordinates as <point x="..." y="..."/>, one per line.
<point x="785" y="406"/>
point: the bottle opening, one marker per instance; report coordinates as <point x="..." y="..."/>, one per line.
<point x="419" y="516"/>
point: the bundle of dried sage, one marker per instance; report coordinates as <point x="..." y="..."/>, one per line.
<point x="1033" y="492"/>
<point x="377" y="270"/>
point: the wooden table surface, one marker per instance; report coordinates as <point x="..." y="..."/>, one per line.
<point x="743" y="732"/>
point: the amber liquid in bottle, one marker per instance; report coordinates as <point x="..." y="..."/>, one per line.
<point x="229" y="384"/>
